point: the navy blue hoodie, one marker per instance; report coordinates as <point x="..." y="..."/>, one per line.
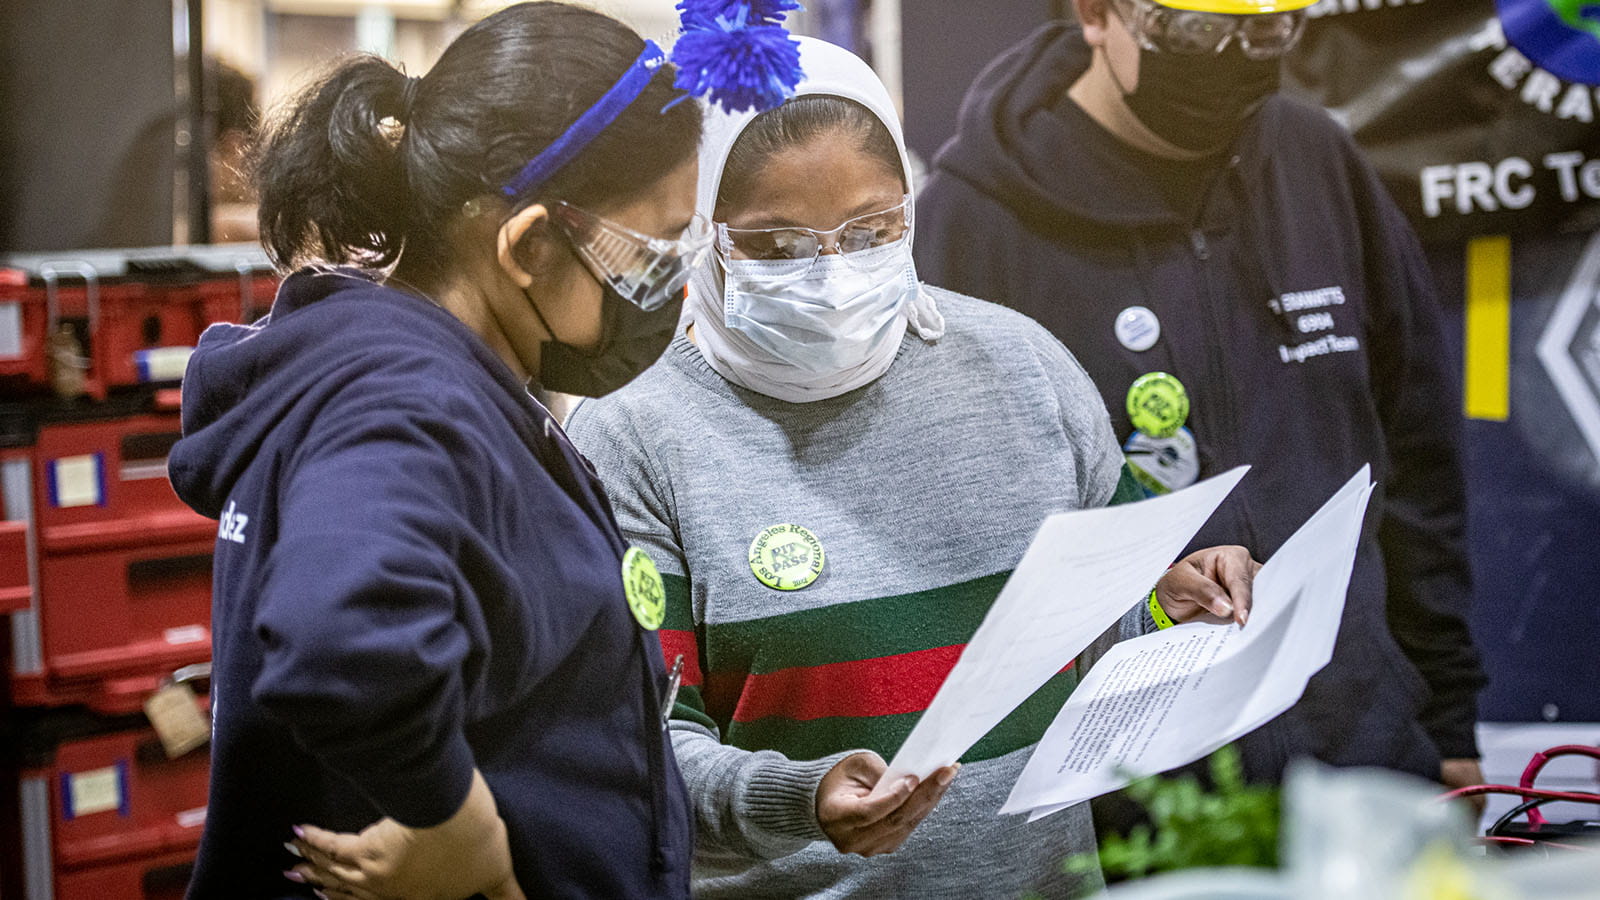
<point x="1295" y="306"/>
<point x="416" y="574"/>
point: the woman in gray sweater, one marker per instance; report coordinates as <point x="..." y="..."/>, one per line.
<point x="835" y="468"/>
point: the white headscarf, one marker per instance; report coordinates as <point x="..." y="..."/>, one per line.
<point x="833" y="71"/>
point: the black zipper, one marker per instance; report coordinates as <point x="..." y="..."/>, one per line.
<point x="1215" y="355"/>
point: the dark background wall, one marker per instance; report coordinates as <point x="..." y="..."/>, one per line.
<point x="945" y="44"/>
<point x="87" y="123"/>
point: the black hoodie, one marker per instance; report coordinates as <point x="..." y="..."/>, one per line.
<point x="416" y="575"/>
<point x="1295" y="306"/>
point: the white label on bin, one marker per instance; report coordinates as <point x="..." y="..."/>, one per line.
<point x="192" y="818"/>
<point x="11" y="330"/>
<point x="76" y="481"/>
<point x="162" y="363"/>
<point x="186" y="634"/>
<point x="99" y="790"/>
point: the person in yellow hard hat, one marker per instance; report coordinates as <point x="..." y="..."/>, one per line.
<point x="1136" y="184"/>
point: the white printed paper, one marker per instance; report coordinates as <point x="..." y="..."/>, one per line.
<point x="1083" y="571"/>
<point x="1166" y="699"/>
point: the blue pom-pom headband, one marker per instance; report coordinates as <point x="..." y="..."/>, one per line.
<point x="736" y="53"/>
<point x="589" y="125"/>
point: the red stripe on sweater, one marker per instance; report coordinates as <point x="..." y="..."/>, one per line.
<point x="675" y="642"/>
<point x="885" y="686"/>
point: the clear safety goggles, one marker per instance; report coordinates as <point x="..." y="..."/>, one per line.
<point x="1262" y="36"/>
<point x="647" y="271"/>
<point x="796" y="243"/>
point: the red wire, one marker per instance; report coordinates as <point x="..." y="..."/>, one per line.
<point x="1520" y="842"/>
<point x="1537" y="764"/>
<point x="1527" y="793"/>
<point x="1525" y="842"/>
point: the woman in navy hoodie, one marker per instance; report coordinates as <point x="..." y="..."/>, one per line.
<point x="426" y="624"/>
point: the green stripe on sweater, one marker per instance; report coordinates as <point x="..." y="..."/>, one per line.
<point x="680" y="609"/>
<point x="865" y="629"/>
<point x="817" y="738"/>
<point x="1128" y="490"/>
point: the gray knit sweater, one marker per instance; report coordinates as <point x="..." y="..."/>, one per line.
<point x="922" y="489"/>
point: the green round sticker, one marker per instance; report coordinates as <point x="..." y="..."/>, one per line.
<point x="1157" y="404"/>
<point x="786" y="557"/>
<point x="641" y="583"/>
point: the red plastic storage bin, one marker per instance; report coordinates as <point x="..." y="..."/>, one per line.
<point x="103" y="485"/>
<point x="163" y="876"/>
<point x="109" y="816"/>
<point x="146" y="332"/>
<point x="22" y="329"/>
<point x="16" y="581"/>
<point x="65" y="294"/>
<point x="118" y="568"/>
<point x="130" y="331"/>
<point x="109" y="624"/>
<point x="16" y="530"/>
<point x="133" y="316"/>
<point x="242" y="300"/>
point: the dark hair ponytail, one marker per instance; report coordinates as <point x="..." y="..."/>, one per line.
<point x="328" y="169"/>
<point x="367" y="161"/>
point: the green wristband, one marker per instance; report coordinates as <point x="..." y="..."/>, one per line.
<point x="1163" y="621"/>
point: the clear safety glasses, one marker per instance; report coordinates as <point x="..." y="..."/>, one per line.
<point x="1262" y="36"/>
<point x="647" y="271"/>
<point x="864" y="232"/>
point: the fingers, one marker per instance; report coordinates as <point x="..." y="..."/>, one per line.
<point x="866" y="767"/>
<point x="1217" y="580"/>
<point x="891" y="832"/>
<point x="344" y="848"/>
<point x="326" y="885"/>
<point x="331" y="862"/>
<point x="1185" y="591"/>
<point x="885" y="833"/>
<point x="845" y="797"/>
<point x="1237" y="571"/>
<point x="324" y="868"/>
<point x="1211" y="599"/>
<point x="864" y="811"/>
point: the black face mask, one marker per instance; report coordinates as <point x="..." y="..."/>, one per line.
<point x="1201" y="103"/>
<point x="631" y="340"/>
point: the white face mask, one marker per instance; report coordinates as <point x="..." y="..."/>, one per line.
<point x="827" y="317"/>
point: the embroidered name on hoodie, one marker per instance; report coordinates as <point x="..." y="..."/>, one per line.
<point x="232" y="525"/>
<point x="1309" y="312"/>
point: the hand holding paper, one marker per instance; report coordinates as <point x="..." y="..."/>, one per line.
<point x="1167" y="699"/>
<point x="1082" y="572"/>
<point x="1214" y="581"/>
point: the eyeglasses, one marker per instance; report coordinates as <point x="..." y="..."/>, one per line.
<point x="1262" y="36"/>
<point x="864" y="232"/>
<point x="647" y="271"/>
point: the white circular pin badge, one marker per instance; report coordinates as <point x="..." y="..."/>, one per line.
<point x="1138" y="329"/>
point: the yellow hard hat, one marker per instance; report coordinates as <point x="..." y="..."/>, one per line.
<point x="1238" y="7"/>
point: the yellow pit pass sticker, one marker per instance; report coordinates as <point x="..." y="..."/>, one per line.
<point x="786" y="557"/>
<point x="1158" y="405"/>
<point x="641" y="583"/>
